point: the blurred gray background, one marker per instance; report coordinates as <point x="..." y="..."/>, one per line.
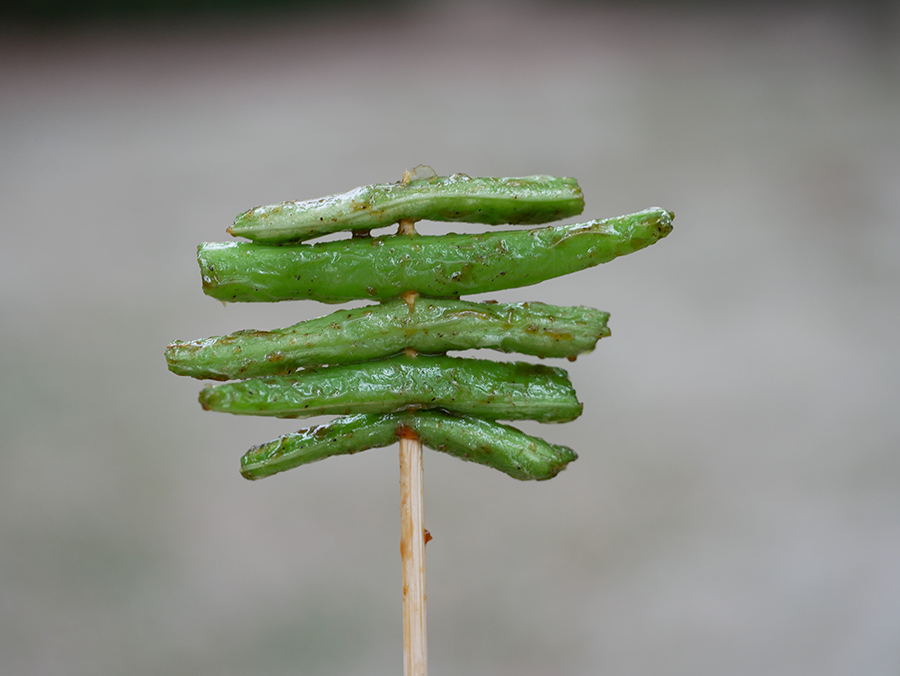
<point x="736" y="505"/>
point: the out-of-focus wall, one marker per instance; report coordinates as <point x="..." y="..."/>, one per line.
<point x="734" y="507"/>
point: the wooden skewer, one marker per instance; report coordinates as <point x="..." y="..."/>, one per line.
<point x="412" y="553"/>
<point x="412" y="527"/>
<point x="413" y="535"/>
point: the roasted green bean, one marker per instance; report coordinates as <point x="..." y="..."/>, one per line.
<point x="438" y="266"/>
<point x="492" y="201"/>
<point x="502" y="447"/>
<point x="432" y="326"/>
<point x="492" y="390"/>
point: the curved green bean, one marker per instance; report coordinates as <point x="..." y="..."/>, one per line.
<point x="492" y="390"/>
<point x="432" y="326"/>
<point x="493" y="201"/>
<point x="343" y="436"/>
<point x="502" y="447"/>
<point x="437" y="266"/>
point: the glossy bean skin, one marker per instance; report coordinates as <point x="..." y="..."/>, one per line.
<point x="431" y="326"/>
<point x="442" y="266"/>
<point x="502" y="447"/>
<point x="528" y="200"/>
<point x="492" y="390"/>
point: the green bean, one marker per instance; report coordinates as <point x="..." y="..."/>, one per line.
<point x="492" y="390"/>
<point x="437" y="266"/>
<point x="432" y="326"/>
<point x="492" y="201"/>
<point x="342" y="436"/>
<point x="502" y="447"/>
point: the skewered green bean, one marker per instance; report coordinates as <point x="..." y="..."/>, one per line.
<point x="438" y="266"/>
<point x="492" y="390"/>
<point x="502" y="447"/>
<point x="493" y="201"/>
<point x="432" y="326"/>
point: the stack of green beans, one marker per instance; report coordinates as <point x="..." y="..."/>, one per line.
<point x="383" y="368"/>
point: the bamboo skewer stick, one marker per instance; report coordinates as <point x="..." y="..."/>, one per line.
<point x="412" y="553"/>
<point x="412" y="524"/>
